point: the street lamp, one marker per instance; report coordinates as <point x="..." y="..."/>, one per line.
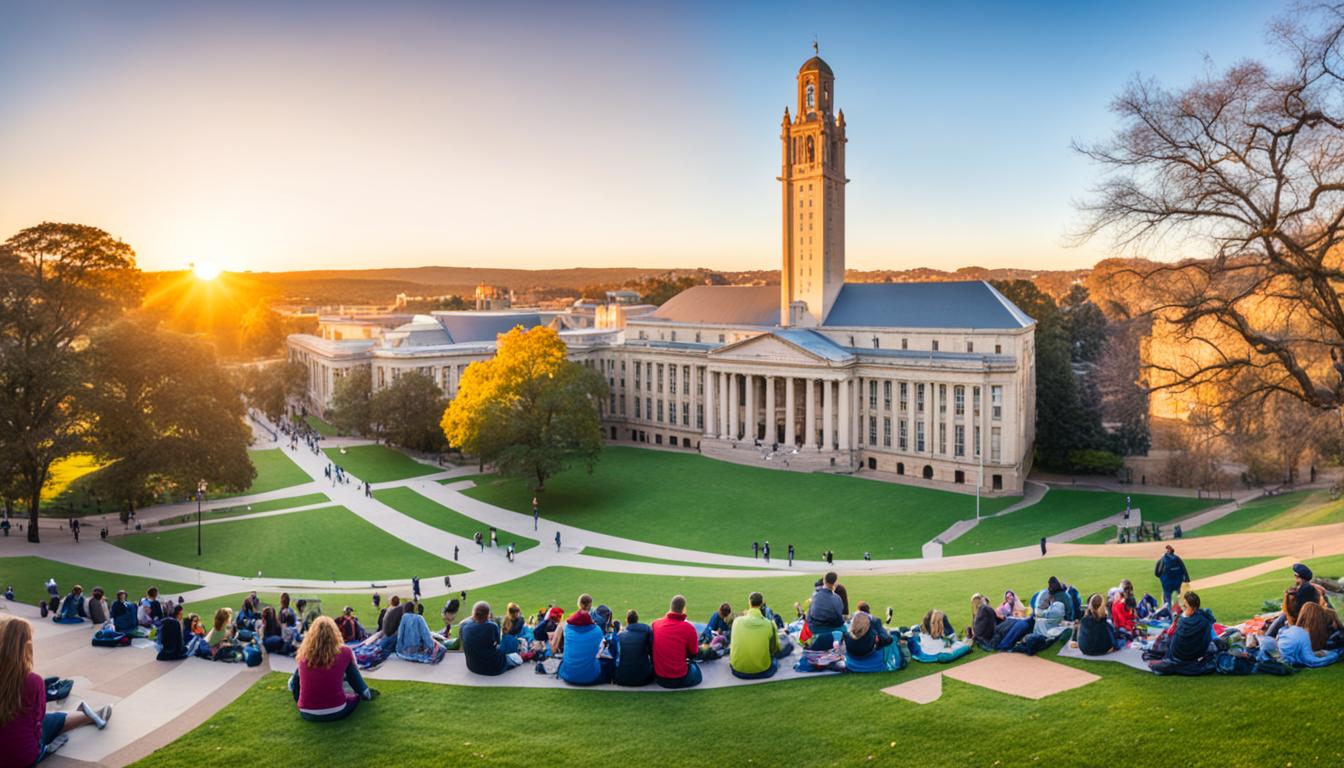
<point x="200" y="495"/>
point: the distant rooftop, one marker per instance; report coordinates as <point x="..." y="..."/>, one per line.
<point x="968" y="304"/>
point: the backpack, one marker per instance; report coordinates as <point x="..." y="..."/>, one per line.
<point x="1273" y="667"/>
<point x="57" y="689"/>
<point x="110" y="638"/>
<point x="252" y="655"/>
<point x="1234" y="664"/>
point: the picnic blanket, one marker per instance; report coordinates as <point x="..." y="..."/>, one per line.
<point x="1131" y="656"/>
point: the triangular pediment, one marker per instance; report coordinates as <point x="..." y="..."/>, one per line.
<point x="777" y="348"/>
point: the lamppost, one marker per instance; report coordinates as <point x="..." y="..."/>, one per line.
<point x="200" y="495"/>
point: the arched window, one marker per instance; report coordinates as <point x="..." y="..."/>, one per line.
<point x="811" y="96"/>
<point x="811" y="150"/>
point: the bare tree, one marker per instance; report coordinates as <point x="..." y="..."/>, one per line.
<point x="1247" y="168"/>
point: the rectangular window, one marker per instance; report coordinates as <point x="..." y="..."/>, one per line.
<point x="919" y="398"/>
<point x="612" y="408"/>
<point x="623" y="404"/>
<point x="905" y="343"/>
<point x="872" y="395"/>
<point x="994" y="444"/>
<point x="886" y="431"/>
<point x="700" y="416"/>
<point x="700" y="381"/>
<point x="919" y="436"/>
<point x="976" y="446"/>
<point x="648" y="408"/>
<point x="660" y="379"/>
<point x="996" y="401"/>
<point x="886" y="395"/>
<point x="942" y="437"/>
<point x="660" y="409"/>
<point x="942" y="399"/>
<point x="958" y="440"/>
<point x="905" y="397"/>
<point x="975" y="403"/>
<point x="672" y="379"/>
<point x="958" y="401"/>
<point x="872" y="430"/>
<point x="935" y="345"/>
<point x="998" y="349"/>
<point x="685" y="414"/>
<point x="648" y="377"/>
<point x="902" y="435"/>
<point x="970" y="346"/>
<point x="638" y="410"/>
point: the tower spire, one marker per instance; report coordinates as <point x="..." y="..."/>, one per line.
<point x="816" y="49"/>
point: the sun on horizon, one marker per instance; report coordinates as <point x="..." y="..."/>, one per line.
<point x="206" y="270"/>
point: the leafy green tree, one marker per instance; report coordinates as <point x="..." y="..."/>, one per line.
<point x="163" y="414"/>
<point x="261" y="331"/>
<point x="271" y="387"/>
<point x="351" y="403"/>
<point x="407" y="412"/>
<point x="58" y="283"/>
<point x="529" y="410"/>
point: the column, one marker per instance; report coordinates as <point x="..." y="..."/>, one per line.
<point x="724" y="396"/>
<point x="732" y="406"/>
<point x="827" y="415"/>
<point x="749" y="423"/>
<point x="771" y="416"/>
<point x="709" y="402"/>
<point x="846" y="403"/>
<point x="789" y="431"/>
<point x="810" y="425"/>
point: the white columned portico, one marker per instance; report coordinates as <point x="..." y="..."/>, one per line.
<point x="709" y="404"/>
<point x="749" y="423"/>
<point x="827" y="414"/>
<point x="790" y="435"/>
<point x="846" y="400"/>
<point x="732" y="405"/>
<point x="810" y="427"/>
<point x="771" y="428"/>
<point x="724" y="395"/>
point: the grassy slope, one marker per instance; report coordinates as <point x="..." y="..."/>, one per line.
<point x="686" y="500"/>
<point x="378" y="463"/>
<point x="1271" y="513"/>
<point x="611" y="553"/>
<point x="1243" y="599"/>
<point x="910" y="595"/>
<point x="275" y="470"/>
<point x="430" y="512"/>
<point x="64" y="474"/>
<point x="301" y="545"/>
<point x="28" y="575"/>
<point x="250" y="509"/>
<point x="320" y="425"/>
<point x="1063" y="509"/>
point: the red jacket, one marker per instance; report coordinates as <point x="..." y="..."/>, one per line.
<point x="674" y="641"/>
<point x="1121" y="615"/>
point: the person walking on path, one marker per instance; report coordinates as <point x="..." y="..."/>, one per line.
<point x="415" y="587"/>
<point x="454" y="553"/>
<point x="1042" y="546"/>
<point x="790" y="555"/>
<point x="536" y="512"/>
<point x="766" y="551"/>
<point x="1171" y="571"/>
<point x="557" y="541"/>
<point x="480" y="541"/>
<point x="494" y="538"/>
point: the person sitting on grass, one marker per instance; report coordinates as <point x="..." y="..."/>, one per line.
<point x="984" y="620"/>
<point x="72" y="607"/>
<point x="1096" y="636"/>
<point x="271" y="632"/>
<point x="1059" y="592"/>
<point x="247" y="616"/>
<point x="1124" y="613"/>
<point x="753" y="643"/>
<point x="513" y="630"/>
<point x="324" y="664"/>
<point x="634" y="657"/>
<point x="348" y="625"/>
<point x="220" y="637"/>
<point x="578" y="644"/>
<point x="28" y="732"/>
<point x="720" y="622"/>
<point x="548" y="623"/>
<point x="123" y="613"/>
<point x="388" y="624"/>
<point x="481" y="644"/>
<point x="864" y="643"/>
<point x="1050" y="615"/>
<point x="151" y="610"/>
<point x="675" y="645"/>
<point x="1293" y="645"/>
<point x="1322" y="626"/>
<point x="936" y="625"/>
<point x="416" y="643"/>
<point x="1011" y="606"/>
<point x="1193" y="632"/>
<point x="172" y="640"/>
<point x="97" y="608"/>
<point x="826" y="614"/>
<point x="449" y="616"/>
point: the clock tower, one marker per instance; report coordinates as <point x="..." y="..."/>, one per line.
<point x="813" y="181"/>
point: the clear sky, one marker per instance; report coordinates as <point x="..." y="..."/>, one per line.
<point x="571" y="134"/>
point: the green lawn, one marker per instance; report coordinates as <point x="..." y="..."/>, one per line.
<point x="378" y="463"/>
<point x="319" y="425"/>
<point x="613" y="554"/>
<point x="846" y="720"/>
<point x="430" y="512"/>
<point x="1298" y="509"/>
<point x="1063" y="509"/>
<point x="910" y="595"/>
<point x="28" y="575"/>
<point x="68" y="489"/>
<point x="288" y="502"/>
<point x="1244" y="598"/>
<point x="302" y="545"/>
<point x="275" y="470"/>
<point x="686" y="500"/>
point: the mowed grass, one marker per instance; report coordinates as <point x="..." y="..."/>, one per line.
<point x="249" y="509"/>
<point x="319" y="425"/>
<point x="378" y="463"/>
<point x="910" y="595"/>
<point x="275" y="470"/>
<point x="28" y="575"/>
<point x="1246" y="598"/>
<point x="1217" y="721"/>
<point x="686" y="500"/>
<point x="1063" y="509"/>
<point x="613" y="554"/>
<point x="1298" y="509"/>
<point x="66" y="472"/>
<point x="430" y="512"/>
<point x="316" y="544"/>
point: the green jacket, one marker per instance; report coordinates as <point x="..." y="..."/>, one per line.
<point x="754" y="643"/>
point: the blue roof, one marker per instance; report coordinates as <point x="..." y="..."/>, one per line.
<point x="464" y="327"/>
<point x="967" y="304"/>
<point x="815" y="343"/>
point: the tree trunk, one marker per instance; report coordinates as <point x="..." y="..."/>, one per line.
<point x="541" y="480"/>
<point x="33" y="500"/>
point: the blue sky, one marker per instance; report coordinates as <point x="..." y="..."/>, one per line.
<point x="542" y="135"/>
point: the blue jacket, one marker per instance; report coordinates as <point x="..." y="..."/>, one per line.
<point x="1294" y="646"/>
<point x="124" y="618"/>
<point x="876" y="638"/>
<point x="634" y="659"/>
<point x="1170" y="570"/>
<point x="580" y="664"/>
<point x="1192" y="637"/>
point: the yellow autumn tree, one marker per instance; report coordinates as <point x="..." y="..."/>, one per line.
<point x="530" y="410"/>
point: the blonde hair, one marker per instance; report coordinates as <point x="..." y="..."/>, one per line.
<point x="858" y="625"/>
<point x="977" y="601"/>
<point x="222" y="618"/>
<point x="16" y="662"/>
<point x="321" y="645"/>
<point x="933" y="624"/>
<point x="1096" y="605"/>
